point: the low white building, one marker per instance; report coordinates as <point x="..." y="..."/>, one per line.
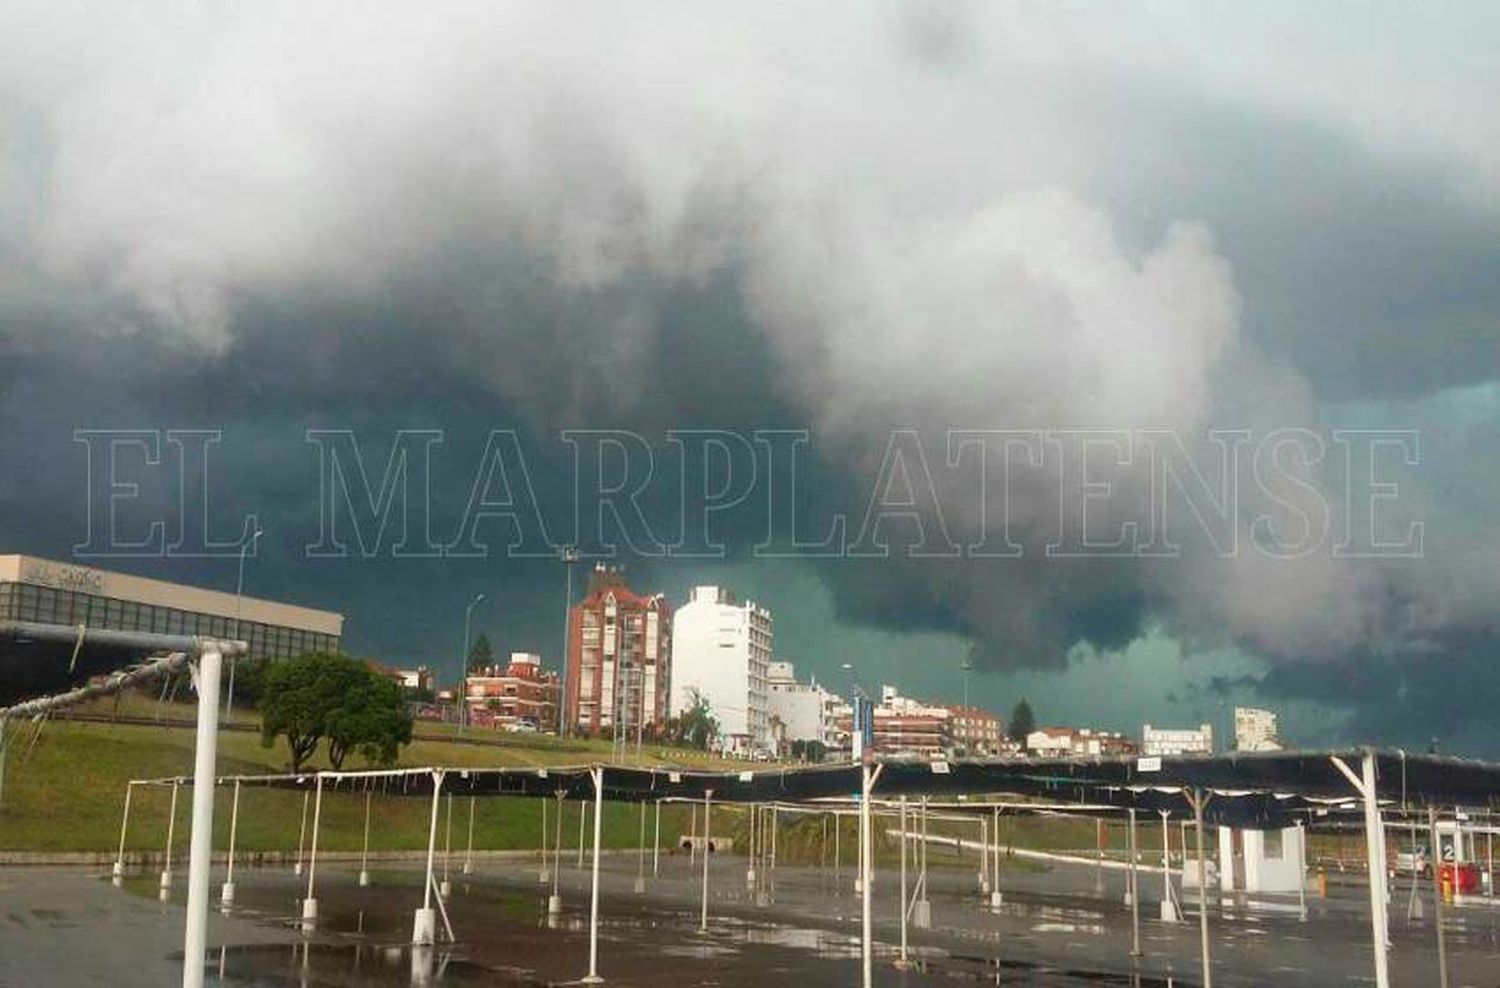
<point x="721" y="649"/>
<point x="1177" y="741"/>
<point x="1255" y="730"/>
<point x="1261" y="860"/>
<point x="804" y="710"/>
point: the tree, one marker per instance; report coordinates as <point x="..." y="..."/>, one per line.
<point x="695" y="727"/>
<point x="322" y="694"/>
<point x="1022" y="722"/>
<point x="371" y="717"/>
<point x="481" y="655"/>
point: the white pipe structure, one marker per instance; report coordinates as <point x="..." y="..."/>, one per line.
<point x="200" y="847"/>
<point x="592" y="977"/>
<point x="693" y="838"/>
<point x="469" y="848"/>
<point x="656" y="845"/>
<point x="119" y="869"/>
<point x="543" y="877"/>
<point x="301" y="834"/>
<point x="708" y="802"/>
<point x="445" y="887"/>
<point x="868" y="778"/>
<point x="1169" y="911"/>
<point x="996" y="899"/>
<point x="310" y="903"/>
<point x="166" y="867"/>
<point x="554" y="902"/>
<point x="364" y="854"/>
<point x="226" y="895"/>
<point x="984" y="856"/>
<point x="905" y="839"/>
<point x="1133" y="891"/>
<point x="424" y="923"/>
<point x="640" y="855"/>
<point x="1365" y="785"/>
<point x="583" y="815"/>
<point x="1437" y="889"/>
<point x="1200" y="800"/>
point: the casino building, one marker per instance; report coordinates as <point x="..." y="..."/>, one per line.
<point x="46" y="592"/>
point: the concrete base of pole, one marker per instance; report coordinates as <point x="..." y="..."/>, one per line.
<point x="640" y="886"/>
<point x="750" y="876"/>
<point x="1170" y="912"/>
<point x="859" y="886"/>
<point x="921" y="914"/>
<point x="445" y="889"/>
<point x="468" y="867"/>
<point x="591" y="979"/>
<point x="309" y="909"/>
<point x="119" y="869"/>
<point x="422" y="963"/>
<point x="544" y="877"/>
<point x="996" y="899"/>
<point x="164" y="895"/>
<point x="1128" y="898"/>
<point x="364" y="879"/>
<point x="166" y="881"/>
<point x="984" y="887"/>
<point x="226" y="896"/>
<point x="297" y="868"/>
<point x="424" y="927"/>
<point x="554" y="904"/>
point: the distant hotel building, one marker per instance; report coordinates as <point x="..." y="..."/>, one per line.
<point x="619" y="662"/>
<point x="1255" y="730"/>
<point x="519" y="695"/>
<point x="722" y="650"/>
<point x="1184" y="741"/>
<point x="47" y="592"/>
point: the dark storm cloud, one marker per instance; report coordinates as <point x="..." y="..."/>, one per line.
<point x="949" y="218"/>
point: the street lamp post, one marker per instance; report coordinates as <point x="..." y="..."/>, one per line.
<point x="463" y="666"/>
<point x="569" y="556"/>
<point x="239" y="591"/>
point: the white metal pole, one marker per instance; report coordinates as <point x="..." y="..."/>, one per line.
<point x="301" y="833"/>
<point x="227" y="893"/>
<point x="1134" y="893"/>
<point x="593" y="975"/>
<point x="708" y="802"/>
<point x="166" y="868"/>
<point x="865" y="874"/>
<point x="124" y="823"/>
<point x="640" y="854"/>
<point x="1199" y="801"/>
<point x="554" y="904"/>
<point x="1437" y="888"/>
<point x="693" y="837"/>
<point x="656" y="844"/>
<point x="583" y="815"/>
<point x="364" y="854"/>
<point x="1169" y="913"/>
<point x="469" y="849"/>
<point x="1302" y="870"/>
<point x="310" y="904"/>
<point x="750" y="851"/>
<point x="984" y="856"/>
<point x="905" y="837"/>
<point x="1376" y="867"/>
<point x="424" y="927"/>
<point x="837" y="826"/>
<point x="543" y="877"/>
<point x="996" y="899"/>
<point x="201" y="847"/>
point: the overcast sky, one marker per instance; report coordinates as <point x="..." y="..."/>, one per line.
<point x="849" y="219"/>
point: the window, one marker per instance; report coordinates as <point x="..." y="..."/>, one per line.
<point x="1273" y="846"/>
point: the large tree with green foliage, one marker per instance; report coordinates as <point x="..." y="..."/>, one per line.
<point x="324" y="695"/>
<point x="695" y="727"/>
<point x="1022" y="722"/>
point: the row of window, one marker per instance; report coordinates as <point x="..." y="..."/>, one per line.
<point x="24" y="602"/>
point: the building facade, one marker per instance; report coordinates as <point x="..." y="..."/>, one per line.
<point x="803" y="711"/>
<point x="977" y="732"/>
<point x="520" y="695"/>
<point x="1064" y="742"/>
<point x="722" y="652"/>
<point x="620" y="651"/>
<point x="1177" y="741"/>
<point x="1255" y="730"/>
<point x="48" y="592"/>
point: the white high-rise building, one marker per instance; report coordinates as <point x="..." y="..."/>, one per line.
<point x="1255" y="730"/>
<point x="722" y="650"/>
<point x="804" y="709"/>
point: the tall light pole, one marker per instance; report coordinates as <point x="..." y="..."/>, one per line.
<point x="239" y="591"/>
<point x="463" y="665"/>
<point x="569" y="556"/>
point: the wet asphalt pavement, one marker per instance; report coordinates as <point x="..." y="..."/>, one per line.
<point x="1062" y="927"/>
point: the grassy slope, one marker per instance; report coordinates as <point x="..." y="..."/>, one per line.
<point x="66" y="792"/>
